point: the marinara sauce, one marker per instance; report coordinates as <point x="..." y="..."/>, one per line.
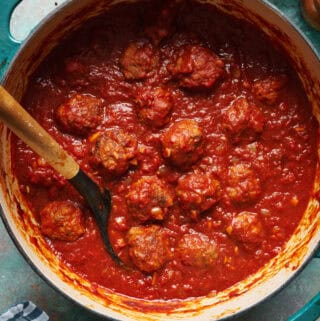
<point x="200" y="128"/>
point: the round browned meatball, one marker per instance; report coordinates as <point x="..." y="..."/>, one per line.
<point x="183" y="143"/>
<point x="267" y="90"/>
<point x="149" y="198"/>
<point x="197" y="192"/>
<point x="80" y="114"/>
<point x="196" y="67"/>
<point x="114" y="151"/>
<point x="149" y="247"/>
<point x="154" y="106"/>
<point x="246" y="227"/>
<point x="243" y="184"/>
<point x="62" y="220"/>
<point x="138" y="60"/>
<point x="243" y="121"/>
<point x="197" y="250"/>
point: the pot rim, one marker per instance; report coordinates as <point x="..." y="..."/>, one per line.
<point x="11" y="233"/>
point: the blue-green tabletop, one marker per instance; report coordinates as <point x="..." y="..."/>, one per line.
<point x="18" y="282"/>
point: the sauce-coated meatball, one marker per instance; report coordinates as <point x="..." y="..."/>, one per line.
<point x="196" y="67"/>
<point x="267" y="90"/>
<point x="114" y="151"/>
<point x="62" y="220"/>
<point x="196" y="249"/>
<point x="243" y="184"/>
<point x="149" y="247"/>
<point x="183" y="143"/>
<point x="154" y="106"/>
<point x="246" y="227"/>
<point x="149" y="198"/>
<point x="80" y="114"/>
<point x="138" y="60"/>
<point x="197" y="192"/>
<point x="164" y="22"/>
<point x="243" y="120"/>
<point x="75" y="72"/>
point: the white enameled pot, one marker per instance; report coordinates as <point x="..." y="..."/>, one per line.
<point x="25" y="231"/>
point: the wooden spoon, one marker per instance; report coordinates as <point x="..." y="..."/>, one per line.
<point x="311" y="12"/>
<point x="30" y="131"/>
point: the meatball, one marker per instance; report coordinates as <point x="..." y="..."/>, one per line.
<point x="182" y="143"/>
<point x="80" y="114"/>
<point x="246" y="227"/>
<point x="243" y="184"/>
<point x="149" y="198"/>
<point x="267" y="90"/>
<point x="138" y="61"/>
<point x="62" y="220"/>
<point x="149" y="247"/>
<point x="243" y="121"/>
<point x="164" y="22"/>
<point x="73" y="66"/>
<point x="197" y="250"/>
<point x="197" y="192"/>
<point x="114" y="151"/>
<point x="154" y="106"/>
<point x="196" y="67"/>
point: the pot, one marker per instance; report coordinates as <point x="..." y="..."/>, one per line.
<point x="24" y="231"/>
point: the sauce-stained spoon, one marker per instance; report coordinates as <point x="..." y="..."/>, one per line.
<point x="310" y="10"/>
<point x="35" y="136"/>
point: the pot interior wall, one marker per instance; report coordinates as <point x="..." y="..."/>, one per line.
<point x="25" y="229"/>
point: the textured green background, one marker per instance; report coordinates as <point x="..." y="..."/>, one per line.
<point x="18" y="282"/>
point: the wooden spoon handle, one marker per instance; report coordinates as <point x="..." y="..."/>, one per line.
<point x="29" y="130"/>
<point x="311" y="12"/>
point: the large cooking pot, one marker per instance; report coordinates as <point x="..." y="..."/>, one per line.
<point x="235" y="299"/>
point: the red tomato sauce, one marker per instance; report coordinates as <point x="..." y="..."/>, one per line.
<point x="257" y="147"/>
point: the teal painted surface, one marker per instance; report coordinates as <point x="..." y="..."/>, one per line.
<point x="18" y="282"/>
<point x="8" y="46"/>
<point x="291" y="10"/>
<point x="310" y="312"/>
